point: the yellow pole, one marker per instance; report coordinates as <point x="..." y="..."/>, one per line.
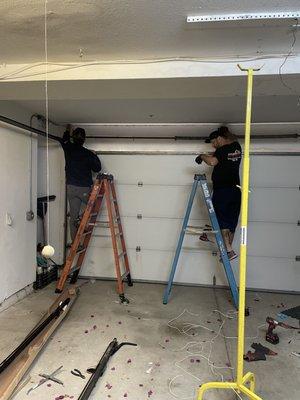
<point x="242" y="381"/>
<point x="244" y="224"/>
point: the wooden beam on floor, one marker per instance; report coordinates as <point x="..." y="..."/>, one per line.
<point x="13" y="374"/>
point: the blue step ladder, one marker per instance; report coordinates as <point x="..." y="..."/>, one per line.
<point x="201" y="180"/>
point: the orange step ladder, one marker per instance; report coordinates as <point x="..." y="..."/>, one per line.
<point x="103" y="188"/>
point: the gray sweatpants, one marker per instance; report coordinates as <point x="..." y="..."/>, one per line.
<point x="77" y="196"/>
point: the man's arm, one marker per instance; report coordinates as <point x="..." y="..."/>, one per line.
<point x="208" y="159"/>
<point x="95" y="162"/>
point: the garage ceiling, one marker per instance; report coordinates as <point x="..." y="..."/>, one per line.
<point x="111" y="30"/>
<point x="131" y="29"/>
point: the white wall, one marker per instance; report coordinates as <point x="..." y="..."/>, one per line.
<point x="273" y="231"/>
<point x="17" y="242"/>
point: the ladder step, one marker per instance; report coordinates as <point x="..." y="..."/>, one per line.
<point x="205" y="228"/>
<point x="125" y="274"/>
<point x="87" y="232"/>
<point x="81" y="250"/>
<point x="122" y="254"/>
<point x="198" y="231"/>
<point x="93" y="215"/>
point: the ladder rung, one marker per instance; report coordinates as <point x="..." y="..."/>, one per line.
<point x="73" y="269"/>
<point x="81" y="251"/>
<point x="197" y="232"/>
<point x="125" y="275"/>
<point x="122" y="254"/>
<point x="87" y="232"/>
<point x="93" y="214"/>
<point x="204" y="228"/>
<point x="100" y="196"/>
<point x="103" y="236"/>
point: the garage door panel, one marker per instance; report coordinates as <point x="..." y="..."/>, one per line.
<point x="274" y="171"/>
<point x="161" y="201"/>
<point x="272" y="240"/>
<point x="195" y="267"/>
<point x="274" y="205"/>
<point x="281" y="274"/>
<point x="153" y="169"/>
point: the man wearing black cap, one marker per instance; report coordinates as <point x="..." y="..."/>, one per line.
<point x="226" y="180"/>
<point x="80" y="163"/>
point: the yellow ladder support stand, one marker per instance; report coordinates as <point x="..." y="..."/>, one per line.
<point x="244" y="384"/>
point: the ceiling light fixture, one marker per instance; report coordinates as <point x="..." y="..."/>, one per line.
<point x="243" y="17"/>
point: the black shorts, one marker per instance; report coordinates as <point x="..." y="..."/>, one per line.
<point x="227" y="205"/>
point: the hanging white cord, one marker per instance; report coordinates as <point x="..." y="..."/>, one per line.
<point x="47" y="125"/>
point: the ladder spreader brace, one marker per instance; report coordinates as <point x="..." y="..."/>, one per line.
<point x="103" y="188"/>
<point x="201" y="180"/>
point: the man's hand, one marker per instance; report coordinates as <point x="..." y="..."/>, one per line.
<point x="198" y="159"/>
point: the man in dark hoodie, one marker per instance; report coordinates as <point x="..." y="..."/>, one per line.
<point x="226" y="180"/>
<point x="80" y="163"/>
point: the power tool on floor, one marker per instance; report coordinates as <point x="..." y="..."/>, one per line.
<point x="272" y="337"/>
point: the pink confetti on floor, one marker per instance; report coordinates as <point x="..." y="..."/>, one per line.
<point x="192" y="360"/>
<point x="108" y="386"/>
<point x="129" y="361"/>
<point x="113" y="368"/>
<point x="125" y="395"/>
<point x="95" y="327"/>
<point x="167" y="340"/>
<point x="49" y="385"/>
<point x="150" y="393"/>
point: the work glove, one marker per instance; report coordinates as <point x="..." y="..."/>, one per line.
<point x="198" y="159"/>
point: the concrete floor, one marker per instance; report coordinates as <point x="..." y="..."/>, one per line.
<point x="146" y="371"/>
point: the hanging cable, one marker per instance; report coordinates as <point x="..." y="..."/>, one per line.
<point x="294" y="30"/>
<point x="47" y="122"/>
<point x="48" y="251"/>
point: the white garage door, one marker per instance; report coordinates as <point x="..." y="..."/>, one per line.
<point x="153" y="192"/>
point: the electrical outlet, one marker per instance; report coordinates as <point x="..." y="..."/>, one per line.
<point x="29" y="215"/>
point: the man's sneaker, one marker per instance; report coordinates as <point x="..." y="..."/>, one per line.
<point x="231" y="255"/>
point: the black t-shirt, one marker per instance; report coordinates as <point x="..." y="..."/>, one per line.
<point x="226" y="172"/>
<point x="80" y="162"/>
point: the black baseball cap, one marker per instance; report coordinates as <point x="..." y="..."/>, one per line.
<point x="222" y="131"/>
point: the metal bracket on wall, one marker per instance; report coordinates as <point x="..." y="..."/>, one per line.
<point x="139" y="216"/>
<point x="138" y="249"/>
<point x="297" y="258"/>
<point x="140" y="184"/>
